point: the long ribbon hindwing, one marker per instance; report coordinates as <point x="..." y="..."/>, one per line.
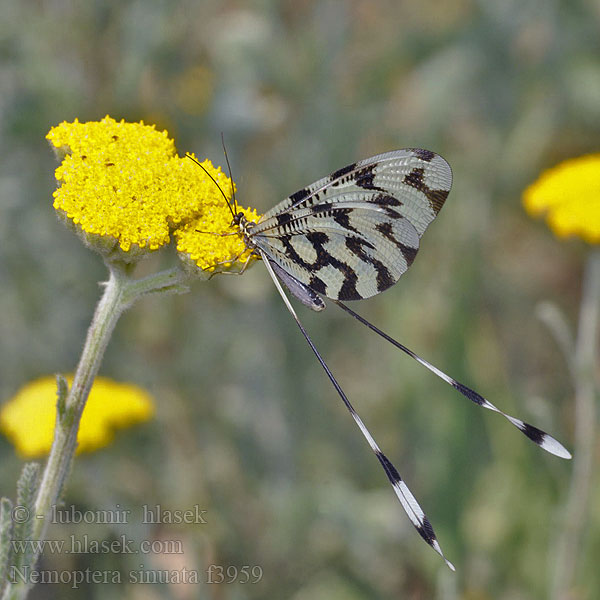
<point x="349" y="236"/>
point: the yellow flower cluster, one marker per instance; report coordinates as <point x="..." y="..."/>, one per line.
<point x="569" y="196"/>
<point x="28" y="418"/>
<point x="196" y="239"/>
<point x="124" y="187"/>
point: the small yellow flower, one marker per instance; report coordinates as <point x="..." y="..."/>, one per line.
<point x="28" y="419"/>
<point x="569" y="196"/>
<point x="126" y="191"/>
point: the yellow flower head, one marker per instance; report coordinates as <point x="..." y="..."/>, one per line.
<point x="569" y="196"/>
<point x="126" y="191"/>
<point x="28" y="418"/>
<point x="209" y="242"/>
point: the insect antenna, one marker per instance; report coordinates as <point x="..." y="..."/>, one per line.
<point x="539" y="437"/>
<point x="235" y="205"/>
<point x="233" y="214"/>
<point x="407" y="500"/>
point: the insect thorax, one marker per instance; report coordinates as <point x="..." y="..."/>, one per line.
<point x="245" y="228"/>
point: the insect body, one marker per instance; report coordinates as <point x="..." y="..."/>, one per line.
<point x="350" y="236"/>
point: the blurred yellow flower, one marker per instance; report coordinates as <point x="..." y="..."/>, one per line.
<point x="28" y="418"/>
<point x="126" y="190"/>
<point x="569" y="196"/>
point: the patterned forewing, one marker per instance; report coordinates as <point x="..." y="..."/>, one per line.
<point x="343" y="253"/>
<point x="415" y="181"/>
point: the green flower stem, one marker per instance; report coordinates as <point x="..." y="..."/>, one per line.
<point x="170" y="281"/>
<point x="108" y="311"/>
<point x="120" y="292"/>
<point x="569" y="544"/>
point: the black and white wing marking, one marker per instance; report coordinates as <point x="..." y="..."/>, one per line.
<point x="351" y="235"/>
<point x="537" y="436"/>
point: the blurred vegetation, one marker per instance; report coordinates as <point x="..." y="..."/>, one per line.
<point x="248" y="427"/>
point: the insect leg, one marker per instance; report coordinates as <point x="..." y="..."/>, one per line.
<point x="220" y="234"/>
<point x="229" y="262"/>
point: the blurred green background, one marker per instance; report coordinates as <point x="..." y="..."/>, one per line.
<point x="248" y="427"/>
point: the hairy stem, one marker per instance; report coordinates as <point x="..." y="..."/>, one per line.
<point x="119" y="293"/>
<point x="569" y="542"/>
<point x="108" y="311"/>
